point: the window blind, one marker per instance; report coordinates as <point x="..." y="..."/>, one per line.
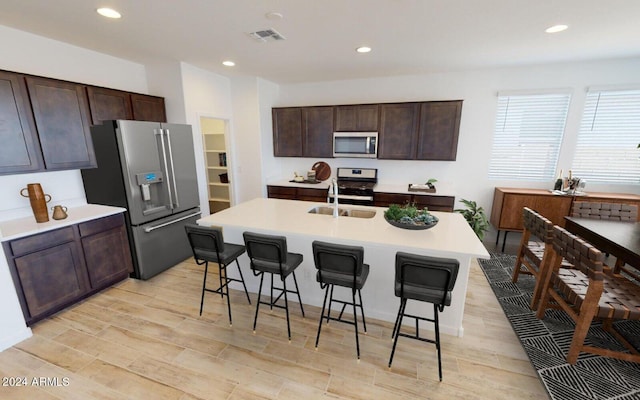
<point x="527" y="136"/>
<point x="607" y="147"/>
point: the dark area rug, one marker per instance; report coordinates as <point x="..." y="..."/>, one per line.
<point x="547" y="342"/>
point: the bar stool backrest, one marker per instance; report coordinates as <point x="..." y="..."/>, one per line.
<point x="337" y="259"/>
<point x="206" y="242"/>
<point x="431" y="278"/>
<point x="265" y="250"/>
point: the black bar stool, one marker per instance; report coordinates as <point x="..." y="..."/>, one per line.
<point x="428" y="279"/>
<point x="268" y="253"/>
<point x="340" y="265"/>
<point x="208" y="245"/>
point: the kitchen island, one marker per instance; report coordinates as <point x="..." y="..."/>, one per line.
<point x="451" y="237"/>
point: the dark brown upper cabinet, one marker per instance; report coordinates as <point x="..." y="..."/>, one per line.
<point x="107" y="104"/>
<point x="148" y="108"/>
<point x="398" y="130"/>
<point x="357" y="118"/>
<point x="439" y="129"/>
<point x="287" y="132"/>
<point x="317" y="132"/>
<point x="20" y="149"/>
<point x="61" y="115"/>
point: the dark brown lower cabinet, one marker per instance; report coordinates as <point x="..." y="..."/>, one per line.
<point x="296" y="193"/>
<point x="55" y="269"/>
<point x="432" y="202"/>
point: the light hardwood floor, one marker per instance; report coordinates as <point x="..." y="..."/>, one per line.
<point x="145" y="340"/>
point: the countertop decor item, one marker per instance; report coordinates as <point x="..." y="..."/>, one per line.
<point x="323" y="170"/>
<point x="409" y="216"/>
<point x="38" y="200"/>
<point x="59" y="212"/>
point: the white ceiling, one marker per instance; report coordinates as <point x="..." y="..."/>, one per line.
<point x="407" y="36"/>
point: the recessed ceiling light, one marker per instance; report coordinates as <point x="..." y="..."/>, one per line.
<point x="228" y="63"/>
<point x="273" y="15"/>
<point x="556" y="28"/>
<point x="363" y="49"/>
<point x="108" y="12"/>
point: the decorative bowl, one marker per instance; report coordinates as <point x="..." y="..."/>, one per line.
<point x="416" y="227"/>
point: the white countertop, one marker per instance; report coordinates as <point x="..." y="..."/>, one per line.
<point x="21" y="227"/>
<point x="451" y="237"/>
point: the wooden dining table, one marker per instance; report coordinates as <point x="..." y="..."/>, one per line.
<point x="620" y="239"/>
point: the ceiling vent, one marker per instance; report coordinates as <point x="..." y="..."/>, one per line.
<point x="266" y="34"/>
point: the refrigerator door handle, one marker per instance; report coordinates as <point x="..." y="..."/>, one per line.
<point x="164" y="160"/>
<point x="173" y="172"/>
<point x="153" y="228"/>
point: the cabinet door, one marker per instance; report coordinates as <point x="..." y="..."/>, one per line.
<point x="439" y="127"/>
<point x="398" y="131"/>
<point x="311" y="194"/>
<point x="357" y="118"/>
<point x="107" y="104"/>
<point x="281" y="192"/>
<point x="148" y="108"/>
<point x="385" y="199"/>
<point x="20" y="149"/>
<point x="434" y="203"/>
<point x="106" y="250"/>
<point x="51" y="278"/>
<point x="287" y="132"/>
<point x="318" y="131"/>
<point x="62" y="119"/>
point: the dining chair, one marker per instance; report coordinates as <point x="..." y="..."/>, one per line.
<point x="586" y="293"/>
<point x="534" y="250"/>
<point x="609" y="211"/>
<point x="340" y="265"/>
<point x="268" y="254"/>
<point x="427" y="279"/>
<point x="207" y="245"/>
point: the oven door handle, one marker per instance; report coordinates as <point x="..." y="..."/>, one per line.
<point x="355" y="197"/>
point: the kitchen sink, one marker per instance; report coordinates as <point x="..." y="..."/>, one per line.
<point x="343" y="212"/>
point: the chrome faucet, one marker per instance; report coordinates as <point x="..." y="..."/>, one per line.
<point x="334" y="183"/>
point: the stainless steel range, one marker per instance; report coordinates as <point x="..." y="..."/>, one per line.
<point x="355" y="185"/>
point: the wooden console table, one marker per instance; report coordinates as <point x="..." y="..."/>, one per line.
<point x="506" y="211"/>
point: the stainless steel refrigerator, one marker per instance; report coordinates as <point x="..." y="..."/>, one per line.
<point x="149" y="169"/>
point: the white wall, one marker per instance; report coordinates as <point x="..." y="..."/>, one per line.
<point x="209" y="95"/>
<point x="31" y="54"/>
<point x="468" y="174"/>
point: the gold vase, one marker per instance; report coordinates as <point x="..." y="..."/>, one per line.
<point x="38" y="200"/>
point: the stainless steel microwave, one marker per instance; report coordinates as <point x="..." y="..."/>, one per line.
<point x="355" y="144"/>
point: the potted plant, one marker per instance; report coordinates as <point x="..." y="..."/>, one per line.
<point x="409" y="216"/>
<point x="475" y="216"/>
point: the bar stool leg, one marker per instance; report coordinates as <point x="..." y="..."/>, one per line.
<point x="324" y="303"/>
<point x="222" y="291"/>
<point x="395" y="325"/>
<point x="243" y="284"/>
<point x="286" y="306"/>
<point x="435" y="317"/>
<point x="355" y="321"/>
<point x="204" y="284"/>
<point x="220" y="268"/>
<point x="364" y="323"/>
<point x="403" y="304"/>
<point x="271" y="305"/>
<point x="255" y="319"/>
<point x="330" y="302"/>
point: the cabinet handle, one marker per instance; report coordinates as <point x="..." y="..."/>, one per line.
<point x="153" y="228"/>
